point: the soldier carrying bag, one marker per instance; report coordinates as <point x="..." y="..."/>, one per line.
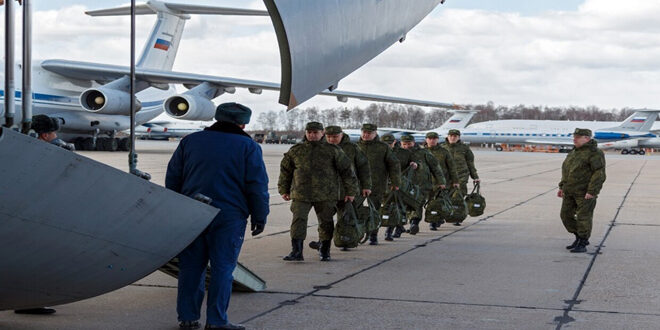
<point x="439" y="207"/>
<point x="476" y="203"/>
<point x="368" y="218"/>
<point x="459" y="207"/>
<point x="393" y="212"/>
<point x="411" y="196"/>
<point x="348" y="231"/>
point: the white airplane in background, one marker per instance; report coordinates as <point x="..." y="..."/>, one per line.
<point x="458" y="120"/>
<point x="163" y="130"/>
<point x="91" y="100"/>
<point x="637" y="131"/>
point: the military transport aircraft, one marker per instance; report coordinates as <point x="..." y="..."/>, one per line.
<point x="92" y="100"/>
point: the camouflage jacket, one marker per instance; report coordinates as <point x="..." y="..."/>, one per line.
<point x="463" y="159"/>
<point x="583" y="170"/>
<point x="314" y="171"/>
<point x="404" y="157"/>
<point x="359" y="161"/>
<point x="428" y="170"/>
<point x="446" y="162"/>
<point x="383" y="165"/>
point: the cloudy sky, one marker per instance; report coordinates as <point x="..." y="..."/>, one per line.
<point x="559" y="53"/>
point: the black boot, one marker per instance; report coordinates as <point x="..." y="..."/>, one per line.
<point x="398" y="231"/>
<point x="296" y="251"/>
<point x="457" y="223"/>
<point x="574" y="244"/>
<point x="316" y="245"/>
<point x="414" y="226"/>
<point x="373" y="237"/>
<point x="324" y="251"/>
<point x="388" y="234"/>
<point x="433" y="226"/>
<point x="581" y="246"/>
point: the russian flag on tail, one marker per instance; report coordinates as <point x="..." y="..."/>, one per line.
<point x="455" y="121"/>
<point x="638" y="120"/>
<point x="162" y="44"/>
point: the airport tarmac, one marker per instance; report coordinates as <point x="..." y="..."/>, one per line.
<point x="507" y="269"/>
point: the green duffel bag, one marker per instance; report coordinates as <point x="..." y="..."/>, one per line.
<point x="476" y="203"/>
<point x="458" y="205"/>
<point x="367" y="216"/>
<point x="348" y="231"/>
<point x="392" y="212"/>
<point x="438" y="208"/>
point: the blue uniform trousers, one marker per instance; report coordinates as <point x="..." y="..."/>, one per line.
<point x="220" y="243"/>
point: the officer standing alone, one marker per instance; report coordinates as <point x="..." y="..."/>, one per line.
<point x="582" y="178"/>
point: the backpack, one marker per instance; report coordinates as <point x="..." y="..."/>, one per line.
<point x="476" y="203"/>
<point x="439" y="207"/>
<point x="392" y="212"/>
<point x="368" y="218"/>
<point x="458" y="205"/>
<point x="348" y="231"/>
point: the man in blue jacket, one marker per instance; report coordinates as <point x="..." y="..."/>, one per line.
<point x="223" y="163"/>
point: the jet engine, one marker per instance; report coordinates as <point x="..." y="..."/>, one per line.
<point x="194" y="104"/>
<point x="107" y="100"/>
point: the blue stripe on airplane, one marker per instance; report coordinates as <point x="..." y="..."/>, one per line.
<point x="66" y="99"/>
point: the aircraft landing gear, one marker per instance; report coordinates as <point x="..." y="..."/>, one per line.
<point x="498" y="148"/>
<point x="84" y="144"/>
<point x="625" y="151"/>
<point x="107" y="144"/>
<point x="124" y="144"/>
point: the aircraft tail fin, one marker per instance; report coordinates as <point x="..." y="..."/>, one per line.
<point x="160" y="50"/>
<point x="640" y="121"/>
<point x="458" y="120"/>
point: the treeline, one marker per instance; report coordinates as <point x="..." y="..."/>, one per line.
<point x="416" y="118"/>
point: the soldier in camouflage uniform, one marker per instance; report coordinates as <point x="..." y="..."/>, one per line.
<point x="445" y="160"/>
<point x="582" y="177"/>
<point x="334" y="135"/>
<point x="405" y="160"/>
<point x="384" y="166"/>
<point x="311" y="173"/>
<point x="463" y="159"/>
<point x="427" y="172"/>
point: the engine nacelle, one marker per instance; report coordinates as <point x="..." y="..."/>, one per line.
<point x="189" y="107"/>
<point x="108" y="101"/>
<point x="621" y="144"/>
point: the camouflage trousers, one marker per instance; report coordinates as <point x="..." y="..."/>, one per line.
<point x="324" y="212"/>
<point x="577" y="214"/>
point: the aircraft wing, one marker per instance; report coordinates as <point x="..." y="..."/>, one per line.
<point x="322" y="42"/>
<point x="104" y="73"/>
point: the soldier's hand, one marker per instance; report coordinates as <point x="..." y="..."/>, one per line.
<point x="588" y="196"/>
<point x="560" y="193"/>
<point x="394" y="188"/>
<point x="366" y="192"/>
<point x="456" y="185"/>
<point x="257" y="228"/>
<point x="475" y="181"/>
<point x="286" y="197"/>
<point x="349" y="199"/>
<point x="413" y="165"/>
<point x="442" y="186"/>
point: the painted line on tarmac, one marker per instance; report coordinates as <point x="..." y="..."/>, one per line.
<point x="566" y="318"/>
<point x="417" y="246"/>
<point x="638" y="224"/>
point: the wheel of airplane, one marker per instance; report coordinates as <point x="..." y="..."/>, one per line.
<point x="106" y="144"/>
<point x="87" y="144"/>
<point x="633" y="152"/>
<point x="642" y="152"/>
<point x="625" y="152"/>
<point x="498" y="148"/>
<point x="124" y="144"/>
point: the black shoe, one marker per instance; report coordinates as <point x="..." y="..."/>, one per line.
<point x="414" y="226"/>
<point x="373" y="238"/>
<point x="581" y="247"/>
<point x="189" y="325"/>
<point x="227" y="326"/>
<point x="324" y="251"/>
<point x="457" y="223"/>
<point x="314" y="245"/>
<point x="296" y="251"/>
<point x="574" y="244"/>
<point x="35" y="311"/>
<point x="388" y="234"/>
<point x="398" y="231"/>
<point x="433" y="226"/>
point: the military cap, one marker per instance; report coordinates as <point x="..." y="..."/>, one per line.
<point x="407" y="138"/>
<point x="44" y="124"/>
<point x="333" y="130"/>
<point x="388" y="138"/>
<point x="582" y="131"/>
<point x="314" y="126"/>
<point x="432" y="135"/>
<point x="369" y="127"/>
<point x="233" y="113"/>
<point x="454" y="132"/>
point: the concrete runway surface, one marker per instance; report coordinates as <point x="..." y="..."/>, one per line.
<point x="507" y="269"/>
